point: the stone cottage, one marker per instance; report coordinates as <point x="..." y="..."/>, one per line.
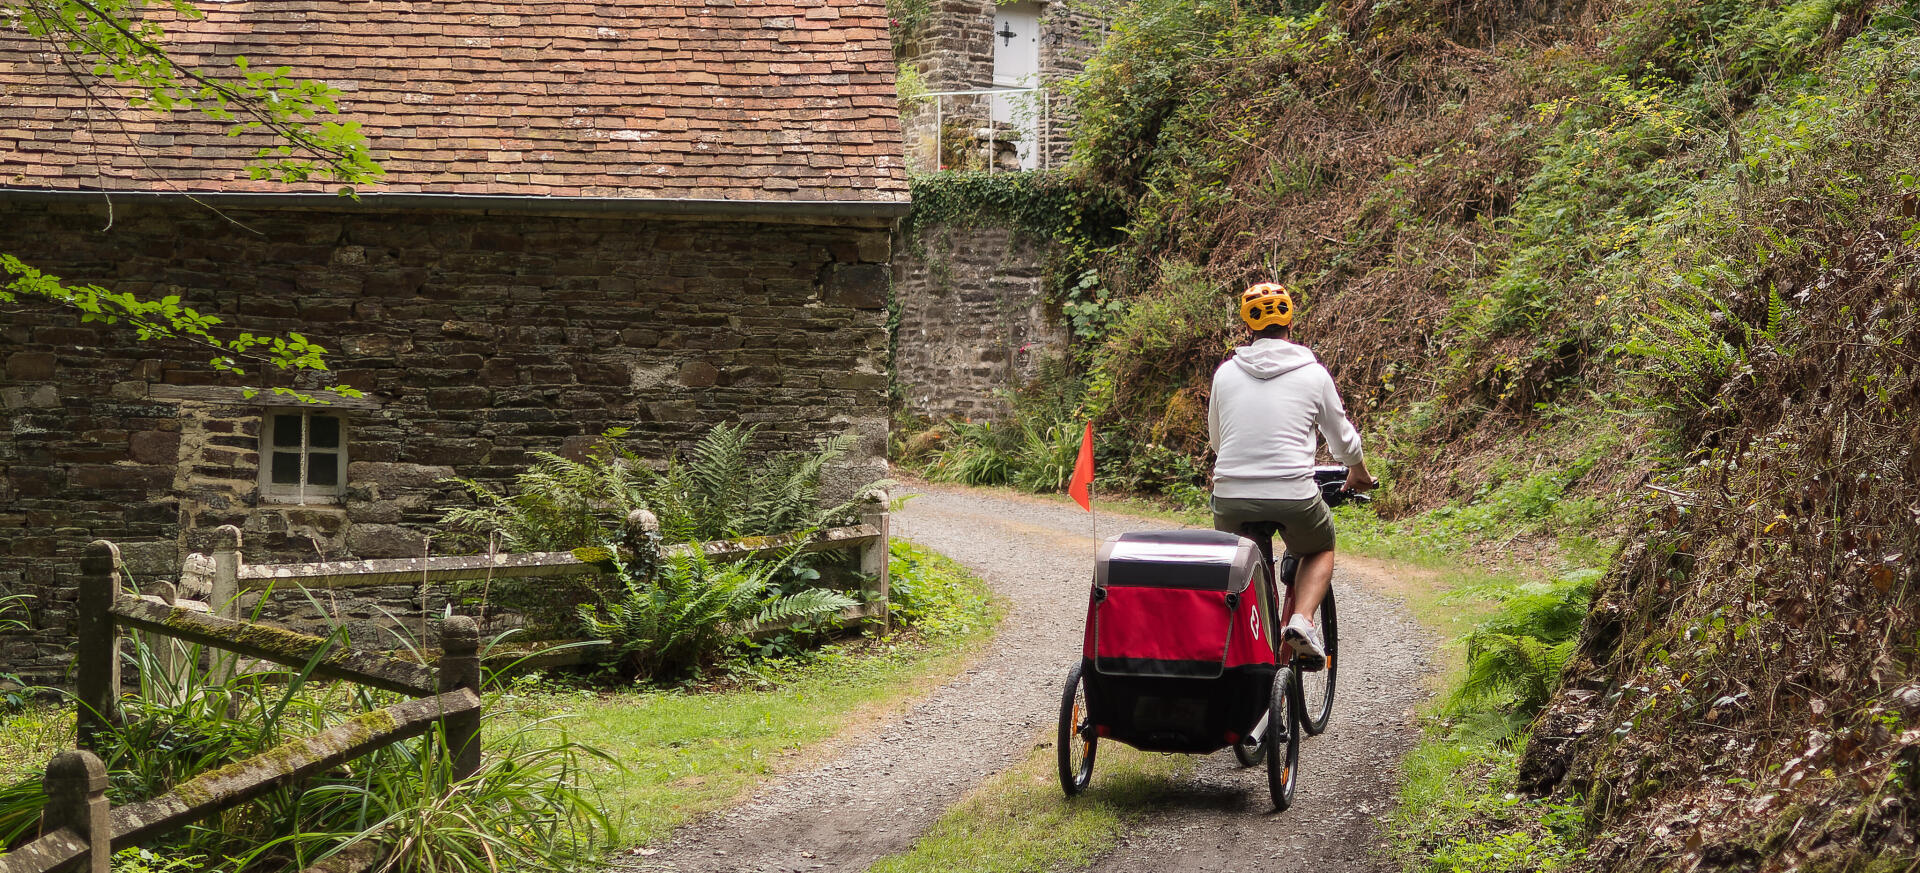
<point x="660" y="214"/>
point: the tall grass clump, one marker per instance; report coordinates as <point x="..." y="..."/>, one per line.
<point x="14" y="691"/>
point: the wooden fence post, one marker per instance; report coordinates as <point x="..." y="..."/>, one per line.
<point x="460" y="668"/>
<point x="76" y="785"/>
<point x="96" y="664"/>
<point x="643" y="540"/>
<point x="874" y="558"/>
<point x="225" y="599"/>
<point x="226" y="572"/>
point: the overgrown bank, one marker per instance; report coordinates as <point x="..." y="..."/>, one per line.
<point x="1557" y="253"/>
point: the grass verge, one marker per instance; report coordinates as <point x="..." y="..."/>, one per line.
<point x="1019" y="822"/>
<point x="1458" y="809"/>
<point x="686" y="752"/>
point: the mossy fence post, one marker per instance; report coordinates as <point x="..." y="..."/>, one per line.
<point x="96" y="666"/>
<point x="76" y="785"/>
<point x="874" y="557"/>
<point x="460" y="668"/>
<point x="225" y="598"/>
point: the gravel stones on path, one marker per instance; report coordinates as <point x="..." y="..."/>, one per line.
<point x="883" y="787"/>
<point x="881" y="790"/>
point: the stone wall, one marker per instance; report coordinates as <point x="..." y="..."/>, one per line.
<point x="974" y="324"/>
<point x="477" y="338"/>
<point x="954" y="52"/>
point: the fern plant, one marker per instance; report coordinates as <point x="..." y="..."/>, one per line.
<point x="558" y="503"/>
<point x="1515" y="657"/>
<point x="720" y="489"/>
<point x="1521" y="669"/>
<point x="672" y="624"/>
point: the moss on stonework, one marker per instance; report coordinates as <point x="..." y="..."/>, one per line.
<point x="266" y="638"/>
<point x="354" y="731"/>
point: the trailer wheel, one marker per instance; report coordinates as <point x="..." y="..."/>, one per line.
<point x="1250" y="752"/>
<point x="1283" y="741"/>
<point x="1076" y="742"/>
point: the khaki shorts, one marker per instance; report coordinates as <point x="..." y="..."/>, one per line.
<point x="1305" y="524"/>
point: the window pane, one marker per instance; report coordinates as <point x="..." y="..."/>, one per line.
<point x="286" y="430"/>
<point x="323" y="432"/>
<point x="286" y="465"/>
<point x="322" y="469"/>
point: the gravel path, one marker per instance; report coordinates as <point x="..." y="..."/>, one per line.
<point x="880" y="789"/>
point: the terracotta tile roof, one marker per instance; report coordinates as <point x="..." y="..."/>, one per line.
<point x="666" y="99"/>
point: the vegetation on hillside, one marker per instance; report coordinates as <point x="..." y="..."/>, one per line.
<point x="1571" y="250"/>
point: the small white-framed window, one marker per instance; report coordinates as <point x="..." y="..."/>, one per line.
<point x="303" y="457"/>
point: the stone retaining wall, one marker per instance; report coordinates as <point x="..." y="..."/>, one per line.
<point x="974" y="323"/>
<point x="477" y="338"/>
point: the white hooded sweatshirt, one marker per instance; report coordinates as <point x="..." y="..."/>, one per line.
<point x="1267" y="400"/>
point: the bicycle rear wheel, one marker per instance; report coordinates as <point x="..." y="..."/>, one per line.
<point x="1316" y="686"/>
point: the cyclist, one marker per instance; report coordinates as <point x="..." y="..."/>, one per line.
<point x="1266" y="402"/>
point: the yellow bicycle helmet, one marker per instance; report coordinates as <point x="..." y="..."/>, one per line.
<point x="1266" y="305"/>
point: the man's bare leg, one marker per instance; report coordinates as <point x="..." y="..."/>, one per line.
<point x="1310" y="582"/>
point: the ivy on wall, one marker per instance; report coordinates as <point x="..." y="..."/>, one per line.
<point x="1079" y="222"/>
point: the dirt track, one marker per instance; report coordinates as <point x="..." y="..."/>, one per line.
<point x="878" y="791"/>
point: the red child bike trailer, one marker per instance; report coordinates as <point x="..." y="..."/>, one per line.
<point x="1180" y="656"/>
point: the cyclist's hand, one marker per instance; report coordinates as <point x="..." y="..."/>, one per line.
<point x="1362" y="482"/>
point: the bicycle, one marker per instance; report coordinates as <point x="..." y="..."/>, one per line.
<point x="1315" y="686"/>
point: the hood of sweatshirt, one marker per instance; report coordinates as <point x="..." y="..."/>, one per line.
<point x="1267" y="358"/>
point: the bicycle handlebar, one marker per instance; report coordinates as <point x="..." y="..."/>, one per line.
<point x="1332" y="480"/>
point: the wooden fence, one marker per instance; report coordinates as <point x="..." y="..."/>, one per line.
<point x="233" y="577"/>
<point x="79" y="829"/>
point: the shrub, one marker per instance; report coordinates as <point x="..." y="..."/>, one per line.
<point x="679" y="620"/>
<point x="932" y="593"/>
<point x="1515" y="657"/>
<point x="720" y="489"/>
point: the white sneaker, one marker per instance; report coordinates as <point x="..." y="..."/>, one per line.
<point x="1309" y="651"/>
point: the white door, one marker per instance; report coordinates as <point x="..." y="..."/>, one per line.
<point x="1016" y="64"/>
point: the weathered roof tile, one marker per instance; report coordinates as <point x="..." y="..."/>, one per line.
<point x="658" y="99"/>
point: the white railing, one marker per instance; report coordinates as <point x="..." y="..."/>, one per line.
<point x="1038" y="136"/>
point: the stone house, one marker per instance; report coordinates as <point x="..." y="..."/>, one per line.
<point x="1022" y="49"/>
<point x="974" y="320"/>
<point x="659" y="215"/>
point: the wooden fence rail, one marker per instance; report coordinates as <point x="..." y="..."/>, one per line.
<point x="233" y="576"/>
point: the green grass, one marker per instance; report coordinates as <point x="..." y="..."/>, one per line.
<point x="31" y="736"/>
<point x="1020" y="822"/>
<point x="1458" y="811"/>
<point x="688" y="752"/>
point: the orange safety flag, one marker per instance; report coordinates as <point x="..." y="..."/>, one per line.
<point x="1083" y="472"/>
